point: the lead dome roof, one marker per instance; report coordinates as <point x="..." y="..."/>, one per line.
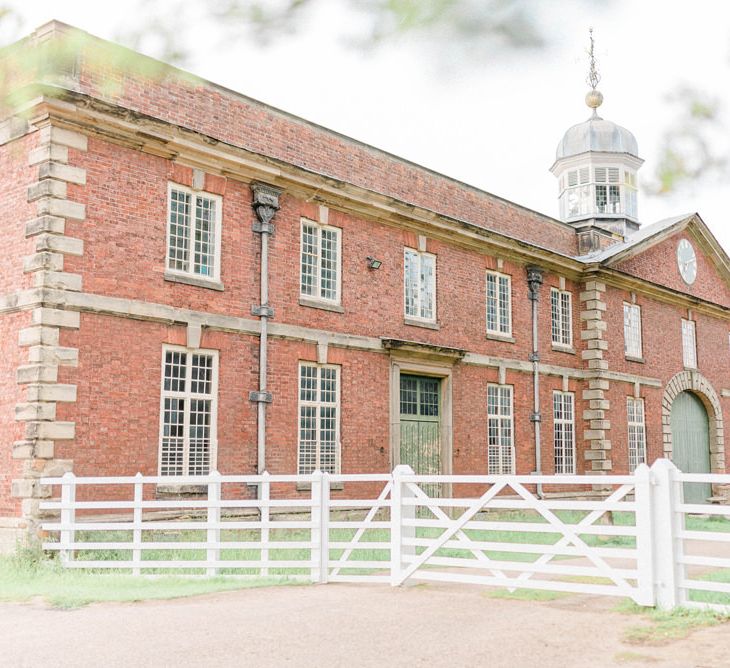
<point x="597" y="134"/>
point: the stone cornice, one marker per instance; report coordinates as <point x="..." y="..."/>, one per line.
<point x="143" y="133"/>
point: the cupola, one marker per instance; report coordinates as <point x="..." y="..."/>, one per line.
<point x="596" y="164"/>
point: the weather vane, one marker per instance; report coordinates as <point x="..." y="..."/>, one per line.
<point x="594" y="98"/>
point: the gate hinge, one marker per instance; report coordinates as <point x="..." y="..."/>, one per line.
<point x="261" y="397"/>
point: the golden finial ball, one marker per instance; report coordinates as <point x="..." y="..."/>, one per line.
<point x="594" y="99"/>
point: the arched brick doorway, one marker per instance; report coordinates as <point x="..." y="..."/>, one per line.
<point x="700" y="387"/>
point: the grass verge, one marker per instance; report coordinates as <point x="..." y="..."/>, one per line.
<point x="26" y="575"/>
<point x="666" y="626"/>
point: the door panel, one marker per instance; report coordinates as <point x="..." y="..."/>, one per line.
<point x="420" y="426"/>
<point x="691" y="443"/>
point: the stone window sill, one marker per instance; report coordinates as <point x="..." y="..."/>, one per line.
<point x="564" y="349"/>
<point x="307" y="486"/>
<point x="421" y="323"/>
<point x="316" y="303"/>
<point x="197" y="281"/>
<point x="493" y="336"/>
<point x="631" y="358"/>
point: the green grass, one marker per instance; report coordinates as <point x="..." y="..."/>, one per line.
<point x="27" y="575"/>
<point x="666" y="626"/>
<point x="511" y="539"/>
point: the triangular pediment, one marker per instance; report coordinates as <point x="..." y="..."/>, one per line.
<point x="651" y="254"/>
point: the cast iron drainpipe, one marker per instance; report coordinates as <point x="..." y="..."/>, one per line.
<point x="265" y="205"/>
<point x="534" y="281"/>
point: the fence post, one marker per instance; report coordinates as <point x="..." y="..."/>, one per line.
<point x="644" y="536"/>
<point x="265" y="518"/>
<point x="137" y="524"/>
<point x="324" y="530"/>
<point x="68" y="516"/>
<point x="400" y="513"/>
<point x="315" y="552"/>
<point x="667" y="495"/>
<point x="214" y="518"/>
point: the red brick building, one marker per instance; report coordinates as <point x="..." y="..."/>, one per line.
<point x="193" y="280"/>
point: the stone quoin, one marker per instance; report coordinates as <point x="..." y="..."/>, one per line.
<point x="193" y="280"/>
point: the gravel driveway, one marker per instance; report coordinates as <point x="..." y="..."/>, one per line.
<point x="345" y="625"/>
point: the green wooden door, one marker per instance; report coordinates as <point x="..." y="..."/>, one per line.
<point x="420" y="425"/>
<point x="691" y="443"/>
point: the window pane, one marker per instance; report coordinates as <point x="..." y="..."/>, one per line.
<point x="200" y="416"/>
<point x="555" y="315"/>
<point x="499" y="429"/>
<point x="328" y="279"/>
<point x="179" y="231"/>
<point x="411" y="280"/>
<point x="307" y="439"/>
<point x="491" y="302"/>
<point x="427" y="285"/>
<point x="308" y="383"/>
<point x="318" y="418"/>
<point x="429" y="397"/>
<point x="632" y="330"/>
<point x="309" y="260"/>
<point x="173" y="441"/>
<point x="175" y="369"/>
<point x="188" y="428"/>
<point x="504" y="305"/>
<point x="563" y="427"/>
<point x="565" y="315"/>
<point x="204" y="236"/>
<point x="408" y="395"/>
<point x="201" y="374"/>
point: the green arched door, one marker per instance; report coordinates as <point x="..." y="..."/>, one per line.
<point x="691" y="443"/>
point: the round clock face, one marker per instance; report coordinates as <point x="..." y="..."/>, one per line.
<point x="687" y="261"/>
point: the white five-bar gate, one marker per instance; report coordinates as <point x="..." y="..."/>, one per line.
<point x="638" y="540"/>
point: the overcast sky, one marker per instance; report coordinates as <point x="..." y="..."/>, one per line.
<point x="491" y="121"/>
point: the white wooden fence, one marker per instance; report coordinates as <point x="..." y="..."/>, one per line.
<point x="639" y="540"/>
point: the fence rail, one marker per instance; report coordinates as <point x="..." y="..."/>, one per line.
<point x="640" y="541"/>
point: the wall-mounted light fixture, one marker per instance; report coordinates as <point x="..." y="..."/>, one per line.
<point x="374" y="263"/>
